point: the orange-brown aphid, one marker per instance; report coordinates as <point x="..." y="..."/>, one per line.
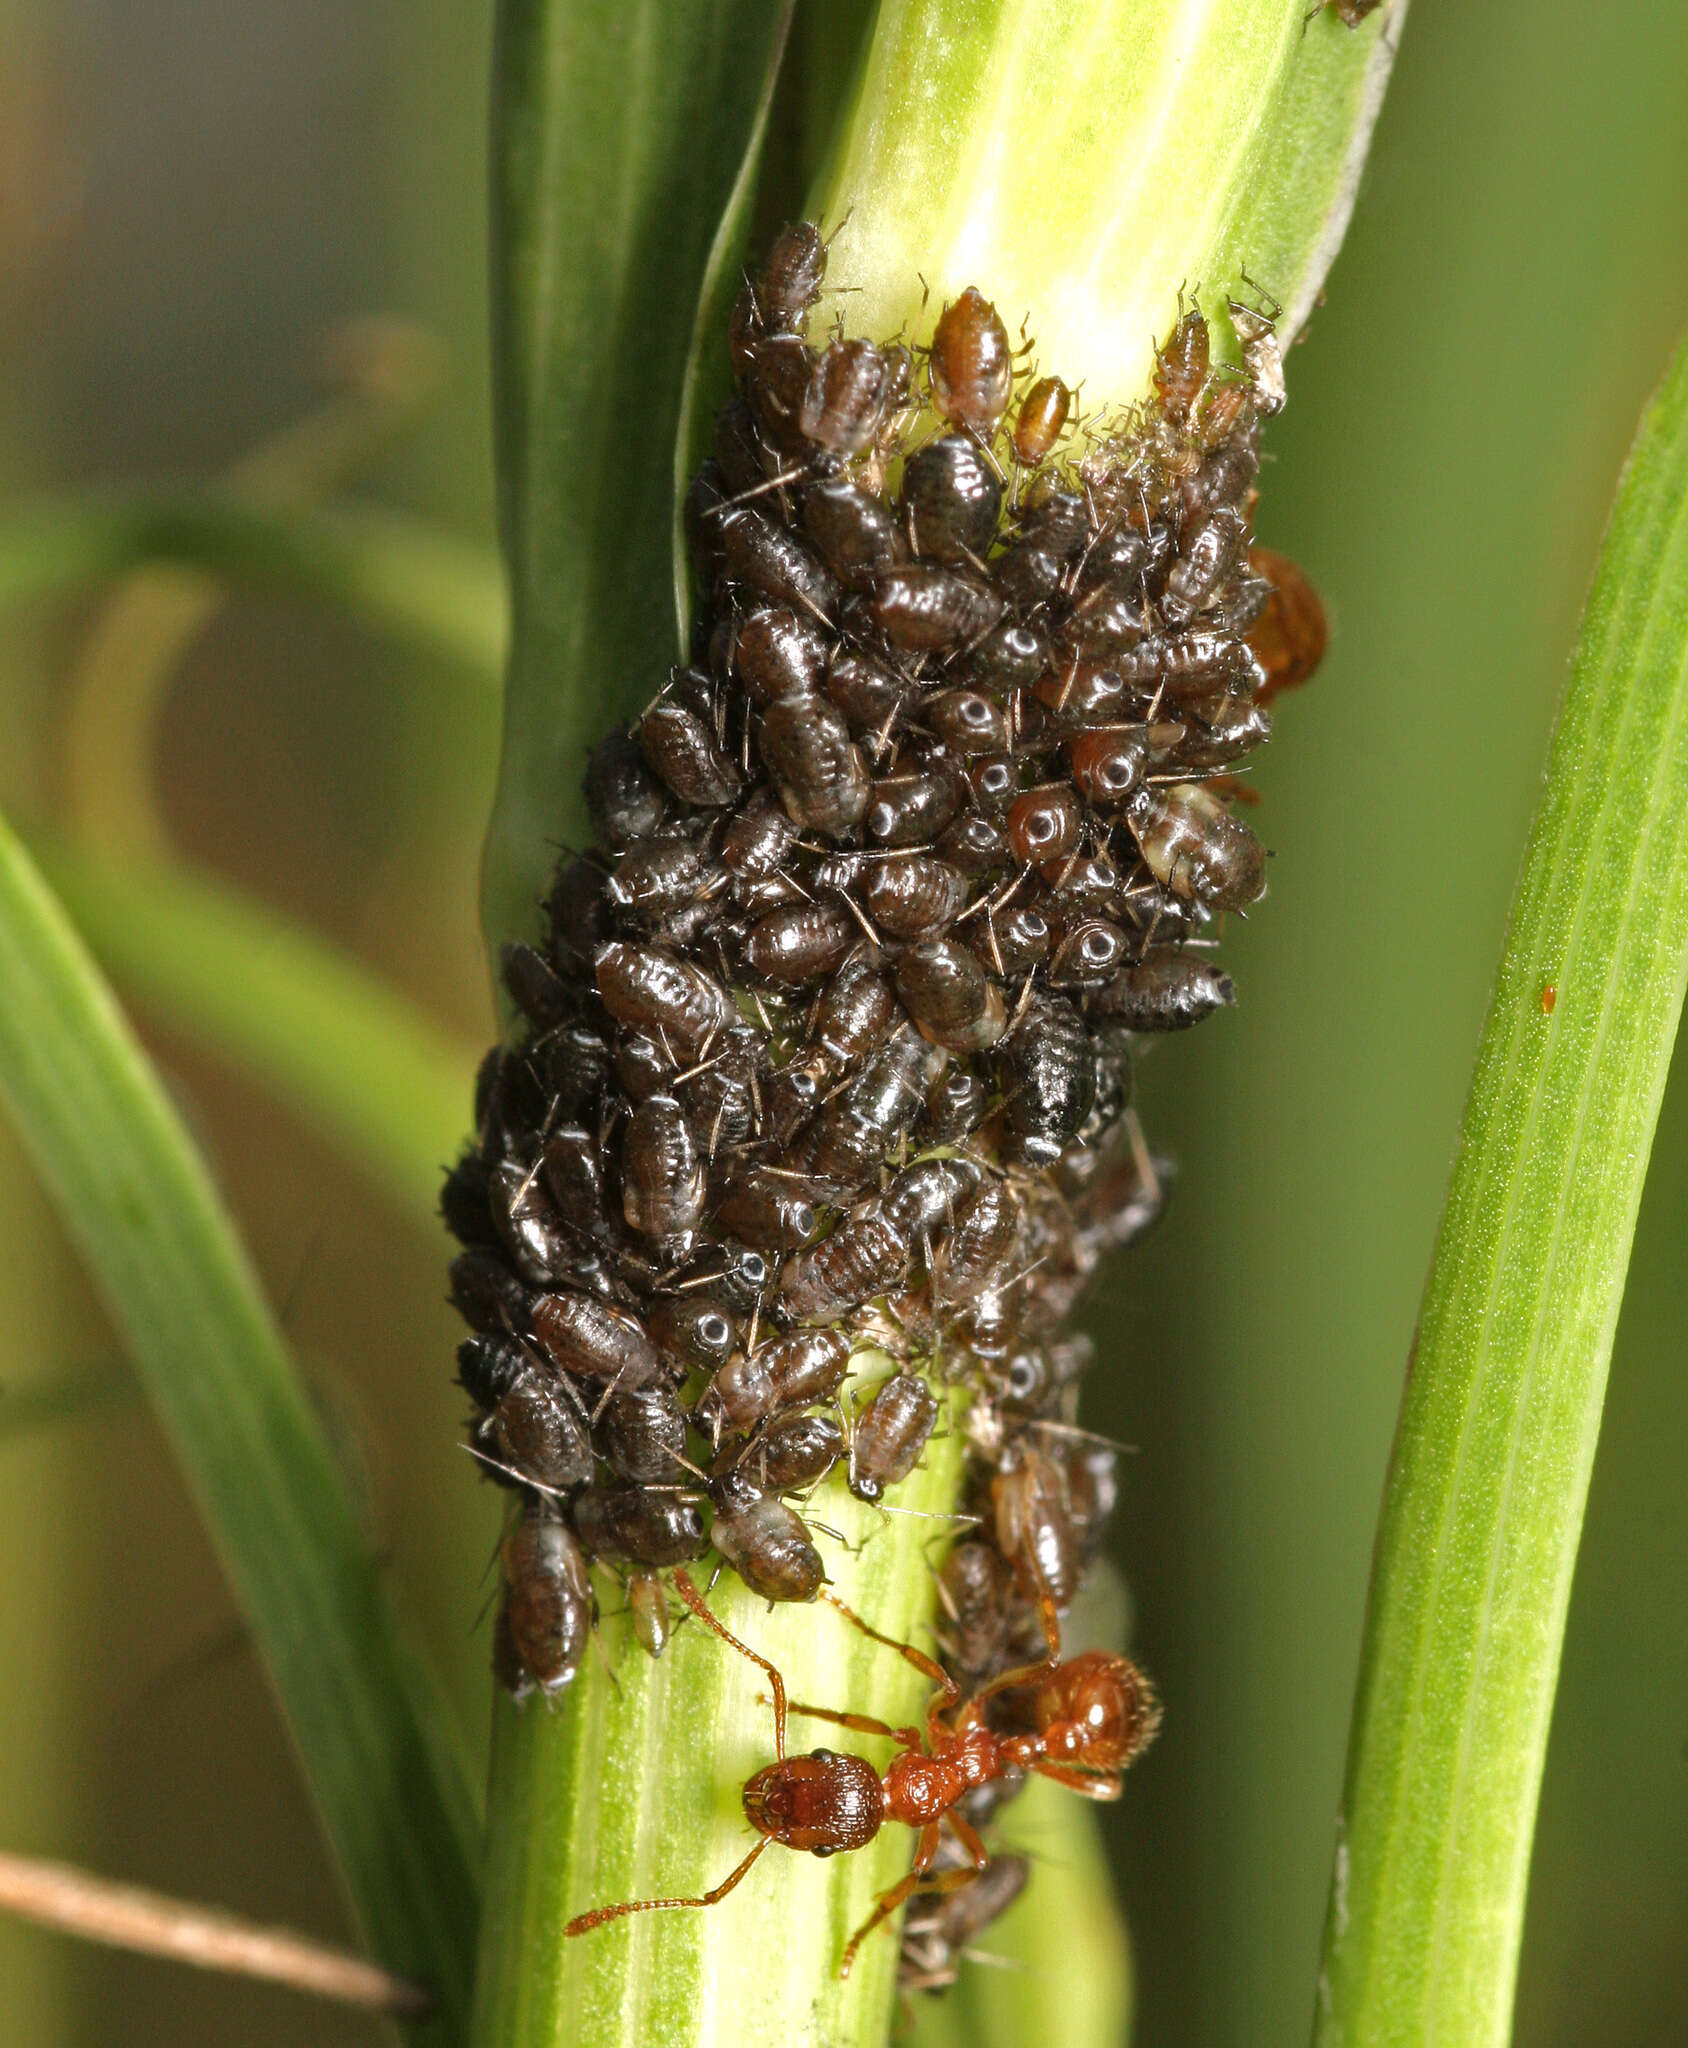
<point x="972" y="364"/>
<point x="1043" y="419"/>
<point x="1549" y="996"/>
<point x="1181" y="366"/>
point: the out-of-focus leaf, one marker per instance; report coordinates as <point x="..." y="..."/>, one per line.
<point x="366" y="1070"/>
<point x="372" y="1734"/>
<point x="394" y="574"/>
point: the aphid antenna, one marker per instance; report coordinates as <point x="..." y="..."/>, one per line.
<point x="532" y="1485"/>
<point x="1072" y="1429"/>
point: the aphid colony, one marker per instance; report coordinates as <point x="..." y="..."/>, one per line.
<point x="828" y="1048"/>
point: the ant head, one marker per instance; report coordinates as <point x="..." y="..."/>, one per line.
<point x="822" y="1802"/>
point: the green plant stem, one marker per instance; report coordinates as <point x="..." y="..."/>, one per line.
<point x="356" y="1062"/>
<point x="396" y="575"/>
<point x="373" y="1736"/>
<point x="1490" y="1475"/>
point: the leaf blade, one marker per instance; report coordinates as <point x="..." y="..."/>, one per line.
<point x="1502" y="1410"/>
<point x="136" y="1199"/>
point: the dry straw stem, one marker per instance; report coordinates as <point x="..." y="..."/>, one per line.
<point x="1497" y="1433"/>
<point x="1078" y="166"/>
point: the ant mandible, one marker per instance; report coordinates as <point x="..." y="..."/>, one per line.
<point x="1093" y="1715"/>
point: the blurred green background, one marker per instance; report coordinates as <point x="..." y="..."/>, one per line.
<point x="191" y="198"/>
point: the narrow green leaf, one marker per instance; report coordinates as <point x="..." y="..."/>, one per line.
<point x="1080" y="164"/>
<point x="1485" y="1498"/>
<point x="397" y="575"/>
<point x="349" y="1056"/>
<point x="619" y="133"/>
<point x="371" y="1733"/>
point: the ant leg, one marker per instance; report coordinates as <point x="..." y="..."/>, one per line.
<point x="888" y="1902"/>
<point x="967" y="1835"/>
<point x="583" y="1923"/>
<point x="861" y="1724"/>
<point x="1088" y="1784"/>
<point x="949" y="1692"/>
<point x="1025" y="1674"/>
<point x="695" y="1601"/>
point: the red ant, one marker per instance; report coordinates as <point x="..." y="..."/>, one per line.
<point x="1094" y="1714"/>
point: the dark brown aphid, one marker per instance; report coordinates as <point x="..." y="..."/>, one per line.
<point x="942" y="1925"/>
<point x="487" y="1295"/>
<point x="1092" y="950"/>
<point x="776" y="385"/>
<point x="548" y="1605"/>
<point x="642" y="1066"/>
<point x="539" y="1435"/>
<point x="799" y="945"/>
<point x="1239" y="725"/>
<point x="535" y="987"/>
<point x="1213" y="545"/>
<point x="926" y="607"/>
<point x="779" y="653"/>
<point x="1349" y="12"/>
<point x="1288" y="639"/>
<point x="1108" y="762"/>
<point x="1166" y="992"/>
<point x="1019" y="938"/>
<point x="764" y="1541"/>
<point x="758" y="842"/>
<point x="924" y="1198"/>
<point x="771" y="1213"/>
<point x="588" y="1337"/>
<point x="1033" y="1524"/>
<point x="972" y="365"/>
<point x="655" y="879"/>
<point x="952" y="1000"/>
<point x="789" y="1372"/>
<point x="915" y="895"/>
<point x="637" y="1525"/>
<point x="890" y="1434"/>
<point x="1042" y="420"/>
<point x="856" y="532"/>
<point x="624" y="799"/>
<point x="647" y="1603"/>
<point x="975" y="1589"/>
<point x="683" y="752"/>
<point x="765" y="557"/>
<point x="792" y="277"/>
<point x="848" y="395"/>
<point x="870" y="696"/>
<point x="794" y="1453"/>
<point x="856" y="1011"/>
<point x="951" y="498"/>
<point x="573" y="1169"/>
<point x="540" y="1248"/>
<point x="488" y="1367"/>
<point x="650" y="988"/>
<point x="1048" y="1080"/>
<point x="693" y="1329"/>
<point x="973" y="846"/>
<point x="910" y="810"/>
<point x="823" y="781"/>
<point x="863" y="1257"/>
<point x="1194" y="846"/>
<point x="464" y="1201"/>
<point x="955" y="1106"/>
<point x="1188" y="664"/>
<point x="662" y="1177"/>
<point x="642" y="1437"/>
<point x="1044" y="824"/>
<point x="1181" y="366"/>
<point x="968" y="721"/>
<point x="1009" y="659"/>
<point x="987" y="1227"/>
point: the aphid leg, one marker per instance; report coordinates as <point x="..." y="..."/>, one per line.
<point x="888" y="1902"/>
<point x="695" y="1601"/>
<point x="583" y="1923"/>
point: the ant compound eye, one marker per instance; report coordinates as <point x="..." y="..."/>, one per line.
<point x="825" y="1849"/>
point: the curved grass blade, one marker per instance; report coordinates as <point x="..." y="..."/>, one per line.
<point x="396" y="575"/>
<point x="356" y="1062"/>
<point x="619" y="133"/>
<point x="1502" y="1409"/>
<point x="372" y="1734"/>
